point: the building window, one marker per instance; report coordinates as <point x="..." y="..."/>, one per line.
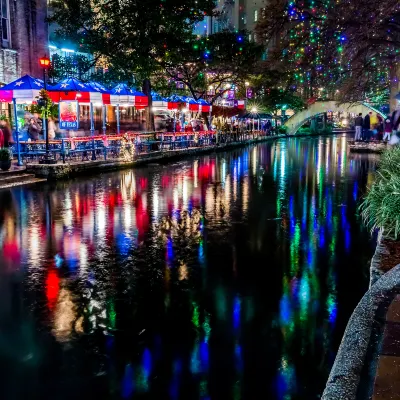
<point x="5" y="24"/>
<point x="255" y="15"/>
<point x="249" y="37"/>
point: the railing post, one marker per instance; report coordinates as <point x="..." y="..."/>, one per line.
<point x="19" y="162"/>
<point x="63" y="150"/>
<point x="92" y="132"/>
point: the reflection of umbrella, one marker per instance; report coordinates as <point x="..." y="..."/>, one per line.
<point x="23" y="90"/>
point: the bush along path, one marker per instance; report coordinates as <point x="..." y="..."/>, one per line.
<point x="367" y="365"/>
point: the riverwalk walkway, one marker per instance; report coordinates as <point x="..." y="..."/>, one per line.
<point x="79" y="167"/>
<point x="387" y="380"/>
<point x="367" y="365"/>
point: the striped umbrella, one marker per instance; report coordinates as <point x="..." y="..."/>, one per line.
<point x="70" y="89"/>
<point x="23" y="90"/>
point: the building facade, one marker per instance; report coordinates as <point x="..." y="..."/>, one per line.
<point x="24" y="38"/>
<point x="234" y="15"/>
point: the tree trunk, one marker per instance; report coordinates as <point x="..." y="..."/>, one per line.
<point x="150" y="126"/>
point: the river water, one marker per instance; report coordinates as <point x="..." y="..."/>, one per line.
<point x="227" y="276"/>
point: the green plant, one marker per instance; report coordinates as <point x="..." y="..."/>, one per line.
<point x="5" y="154"/>
<point x="380" y="208"/>
<point x="49" y="110"/>
<point x="282" y="129"/>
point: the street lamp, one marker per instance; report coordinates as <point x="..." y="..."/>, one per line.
<point x="44" y="62"/>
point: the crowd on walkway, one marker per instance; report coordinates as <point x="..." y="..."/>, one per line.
<point x="374" y="127"/>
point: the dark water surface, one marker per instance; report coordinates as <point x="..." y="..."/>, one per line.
<point x="228" y="276"/>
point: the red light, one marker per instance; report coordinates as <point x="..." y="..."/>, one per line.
<point x="44" y="62"/>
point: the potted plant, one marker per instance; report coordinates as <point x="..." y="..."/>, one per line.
<point x="380" y="211"/>
<point x="5" y="159"/>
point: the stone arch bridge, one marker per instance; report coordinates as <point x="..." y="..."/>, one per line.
<point x="296" y="121"/>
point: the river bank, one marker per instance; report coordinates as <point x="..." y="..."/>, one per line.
<point x="368" y="361"/>
<point x="71" y="169"/>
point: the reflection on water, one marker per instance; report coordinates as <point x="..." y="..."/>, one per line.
<point x="229" y="276"/>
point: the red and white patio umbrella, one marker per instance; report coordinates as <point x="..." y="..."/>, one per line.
<point x="23" y="90"/>
<point x="122" y="95"/>
<point x="70" y="89"/>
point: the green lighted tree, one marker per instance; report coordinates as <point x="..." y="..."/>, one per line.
<point x="210" y="66"/>
<point x="350" y="49"/>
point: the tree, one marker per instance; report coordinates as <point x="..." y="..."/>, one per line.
<point x="211" y="66"/>
<point x="280" y="99"/>
<point x="348" y="48"/>
<point x="133" y="36"/>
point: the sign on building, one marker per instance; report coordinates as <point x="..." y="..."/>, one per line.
<point x="68" y="115"/>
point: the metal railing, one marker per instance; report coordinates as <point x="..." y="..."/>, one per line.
<point x="113" y="146"/>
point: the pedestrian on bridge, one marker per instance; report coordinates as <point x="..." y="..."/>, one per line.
<point x="367" y="127"/>
<point x="388" y="129"/>
<point x="358" y="125"/>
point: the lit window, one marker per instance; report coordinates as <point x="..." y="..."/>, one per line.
<point x="255" y="15"/>
<point x="250" y="37"/>
<point x="5" y="24"/>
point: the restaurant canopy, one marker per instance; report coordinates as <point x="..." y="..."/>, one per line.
<point x="72" y="89"/>
<point x="158" y="101"/>
<point x="24" y="90"/>
<point x="205" y="106"/>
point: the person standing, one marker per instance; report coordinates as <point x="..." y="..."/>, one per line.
<point x="388" y="129"/>
<point x="51" y="128"/>
<point x="33" y="129"/>
<point x="367" y="126"/>
<point x="7" y="134"/>
<point x="395" y="120"/>
<point x="358" y="125"/>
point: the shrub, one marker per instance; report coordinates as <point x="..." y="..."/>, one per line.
<point x="5" y="154"/>
<point x="381" y="206"/>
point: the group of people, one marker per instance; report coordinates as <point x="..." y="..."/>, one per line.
<point x="374" y="127"/>
<point x="34" y="127"/>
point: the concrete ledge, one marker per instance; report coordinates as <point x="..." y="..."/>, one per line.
<point x="344" y="379"/>
<point x="71" y="169"/>
<point x="368" y="147"/>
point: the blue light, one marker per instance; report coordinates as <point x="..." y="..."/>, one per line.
<point x="127" y="382"/>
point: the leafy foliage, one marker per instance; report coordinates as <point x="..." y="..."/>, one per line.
<point x="350" y="45"/>
<point x="210" y="66"/>
<point x="44" y="106"/>
<point x="278" y="99"/>
<point x="131" y="35"/>
<point x="380" y="208"/>
<point x="6" y="154"/>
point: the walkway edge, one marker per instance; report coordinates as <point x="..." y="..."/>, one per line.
<point x="69" y="170"/>
<point x="345" y="375"/>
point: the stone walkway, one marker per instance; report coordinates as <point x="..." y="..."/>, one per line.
<point x="387" y="381"/>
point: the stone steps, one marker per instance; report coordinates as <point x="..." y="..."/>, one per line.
<point x="10" y="179"/>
